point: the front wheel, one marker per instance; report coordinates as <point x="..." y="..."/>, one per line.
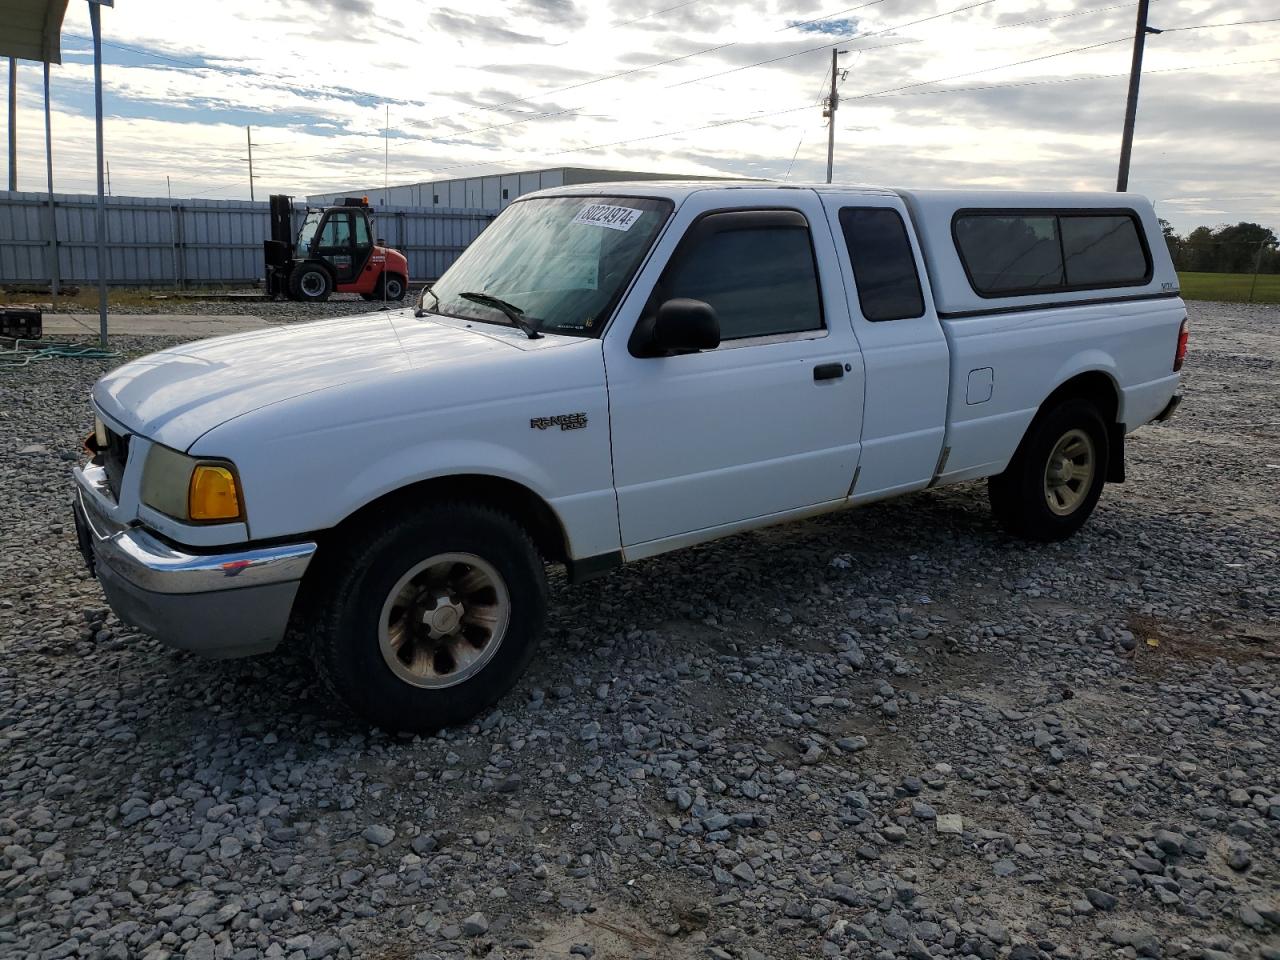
<point x="1055" y="479"/>
<point x="430" y="619"/>
<point x="310" y="283"/>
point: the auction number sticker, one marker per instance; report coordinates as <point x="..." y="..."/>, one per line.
<point x="607" y="215"/>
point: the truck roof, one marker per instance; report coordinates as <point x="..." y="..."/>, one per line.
<point x="923" y="197"/>
<point x="679" y="189"/>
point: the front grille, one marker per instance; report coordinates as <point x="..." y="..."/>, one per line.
<point x="114" y="458"/>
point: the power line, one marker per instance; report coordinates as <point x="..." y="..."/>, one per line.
<point x="677" y="6"/>
<point x="825" y="46"/>
<point x="1210" y="26"/>
<point x="550" y="114"/>
<point x="837" y="43"/>
<point x="807" y="106"/>
<point x="1065" y="16"/>
<point x="1055" y="80"/>
<point x="1203" y="68"/>
<point x="679" y="59"/>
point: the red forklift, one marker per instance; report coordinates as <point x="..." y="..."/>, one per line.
<point x="334" y="253"/>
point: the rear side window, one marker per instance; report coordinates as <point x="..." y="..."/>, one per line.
<point x="756" y="269"/>
<point x="1010" y="253"/>
<point x="884" y="268"/>
<point x="1102" y="251"/>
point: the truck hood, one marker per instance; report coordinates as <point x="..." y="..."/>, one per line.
<point x="174" y="396"/>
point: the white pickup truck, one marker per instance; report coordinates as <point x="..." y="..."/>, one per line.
<point x="606" y="374"/>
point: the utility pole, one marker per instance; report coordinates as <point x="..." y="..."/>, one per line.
<point x="248" y="138"/>
<point x="108" y="178"/>
<point x="13" y="123"/>
<point x="833" y="102"/>
<point x="168" y="185"/>
<point x="1131" y="108"/>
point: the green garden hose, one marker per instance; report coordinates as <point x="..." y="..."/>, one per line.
<point x="24" y="356"/>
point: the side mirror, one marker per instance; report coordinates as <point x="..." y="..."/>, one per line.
<point x="685" y="326"/>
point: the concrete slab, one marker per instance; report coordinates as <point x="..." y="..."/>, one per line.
<point x="152" y="324"/>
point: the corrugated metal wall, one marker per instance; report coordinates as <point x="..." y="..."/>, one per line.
<point x="470" y="193"/>
<point x="154" y="240"/>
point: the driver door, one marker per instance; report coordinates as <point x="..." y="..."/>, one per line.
<point x="335" y="244"/>
<point x="766" y="425"/>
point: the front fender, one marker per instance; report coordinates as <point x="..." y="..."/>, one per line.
<point x="449" y="458"/>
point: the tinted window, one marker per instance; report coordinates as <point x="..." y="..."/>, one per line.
<point x="1035" y="252"/>
<point x="1005" y="254"/>
<point x="1102" y="251"/>
<point x="760" y="279"/>
<point x="362" y="232"/>
<point x="337" y="231"/>
<point x="884" y="268"/>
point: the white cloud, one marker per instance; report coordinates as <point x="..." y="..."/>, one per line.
<point x="312" y="77"/>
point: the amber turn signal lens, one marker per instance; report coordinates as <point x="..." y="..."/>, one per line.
<point x="213" y="494"/>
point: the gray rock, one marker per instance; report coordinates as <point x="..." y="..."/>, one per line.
<point x="1100" y="899"/>
<point x="475" y="925"/>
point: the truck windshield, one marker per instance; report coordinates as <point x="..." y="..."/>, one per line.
<point x="563" y="261"/>
<point x="308" y="231"/>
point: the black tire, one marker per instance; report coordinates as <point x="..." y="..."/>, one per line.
<point x="310" y="283"/>
<point x="391" y="287"/>
<point x="348" y="646"/>
<point x="1021" y="496"/>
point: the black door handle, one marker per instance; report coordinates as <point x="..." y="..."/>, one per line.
<point x="828" y="371"/>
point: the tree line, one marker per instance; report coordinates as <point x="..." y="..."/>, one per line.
<point x="1224" y="249"/>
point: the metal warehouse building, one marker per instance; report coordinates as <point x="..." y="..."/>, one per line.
<point x="492" y="192"/>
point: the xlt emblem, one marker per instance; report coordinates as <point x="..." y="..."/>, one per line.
<point x="565" y="421"/>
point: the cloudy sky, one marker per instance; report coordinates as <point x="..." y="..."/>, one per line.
<point x="999" y="93"/>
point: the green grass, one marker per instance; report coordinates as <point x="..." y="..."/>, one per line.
<point x="1230" y="287"/>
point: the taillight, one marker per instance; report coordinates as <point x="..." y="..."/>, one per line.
<point x="1181" y="354"/>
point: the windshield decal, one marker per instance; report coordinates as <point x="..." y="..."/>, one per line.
<point x="607" y="215"/>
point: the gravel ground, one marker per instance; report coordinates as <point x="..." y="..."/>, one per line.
<point x="890" y="732"/>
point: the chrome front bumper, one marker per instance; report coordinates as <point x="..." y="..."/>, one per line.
<point x="217" y="604"/>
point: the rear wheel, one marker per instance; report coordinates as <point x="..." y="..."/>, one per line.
<point x="391" y="286"/>
<point x="310" y="282"/>
<point x="1055" y="479"/>
<point x="431" y="619"/>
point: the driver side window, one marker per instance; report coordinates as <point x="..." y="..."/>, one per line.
<point x="756" y="268"/>
<point x="337" y="231"/>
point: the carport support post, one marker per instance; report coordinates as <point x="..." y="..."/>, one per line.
<point x="53" y="213"/>
<point x="13" y="123"/>
<point x="95" y="21"/>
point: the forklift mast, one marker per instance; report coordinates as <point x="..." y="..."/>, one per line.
<point x="282" y="219"/>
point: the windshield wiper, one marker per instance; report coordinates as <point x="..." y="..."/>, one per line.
<point x="512" y="312"/>
<point x="421" y="310"/>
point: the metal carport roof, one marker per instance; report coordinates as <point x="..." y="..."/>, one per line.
<point x="32" y="29"/>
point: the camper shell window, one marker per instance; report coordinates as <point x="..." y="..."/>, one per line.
<point x="1008" y="253"/>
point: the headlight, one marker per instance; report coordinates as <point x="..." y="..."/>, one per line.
<point x="189" y="488"/>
